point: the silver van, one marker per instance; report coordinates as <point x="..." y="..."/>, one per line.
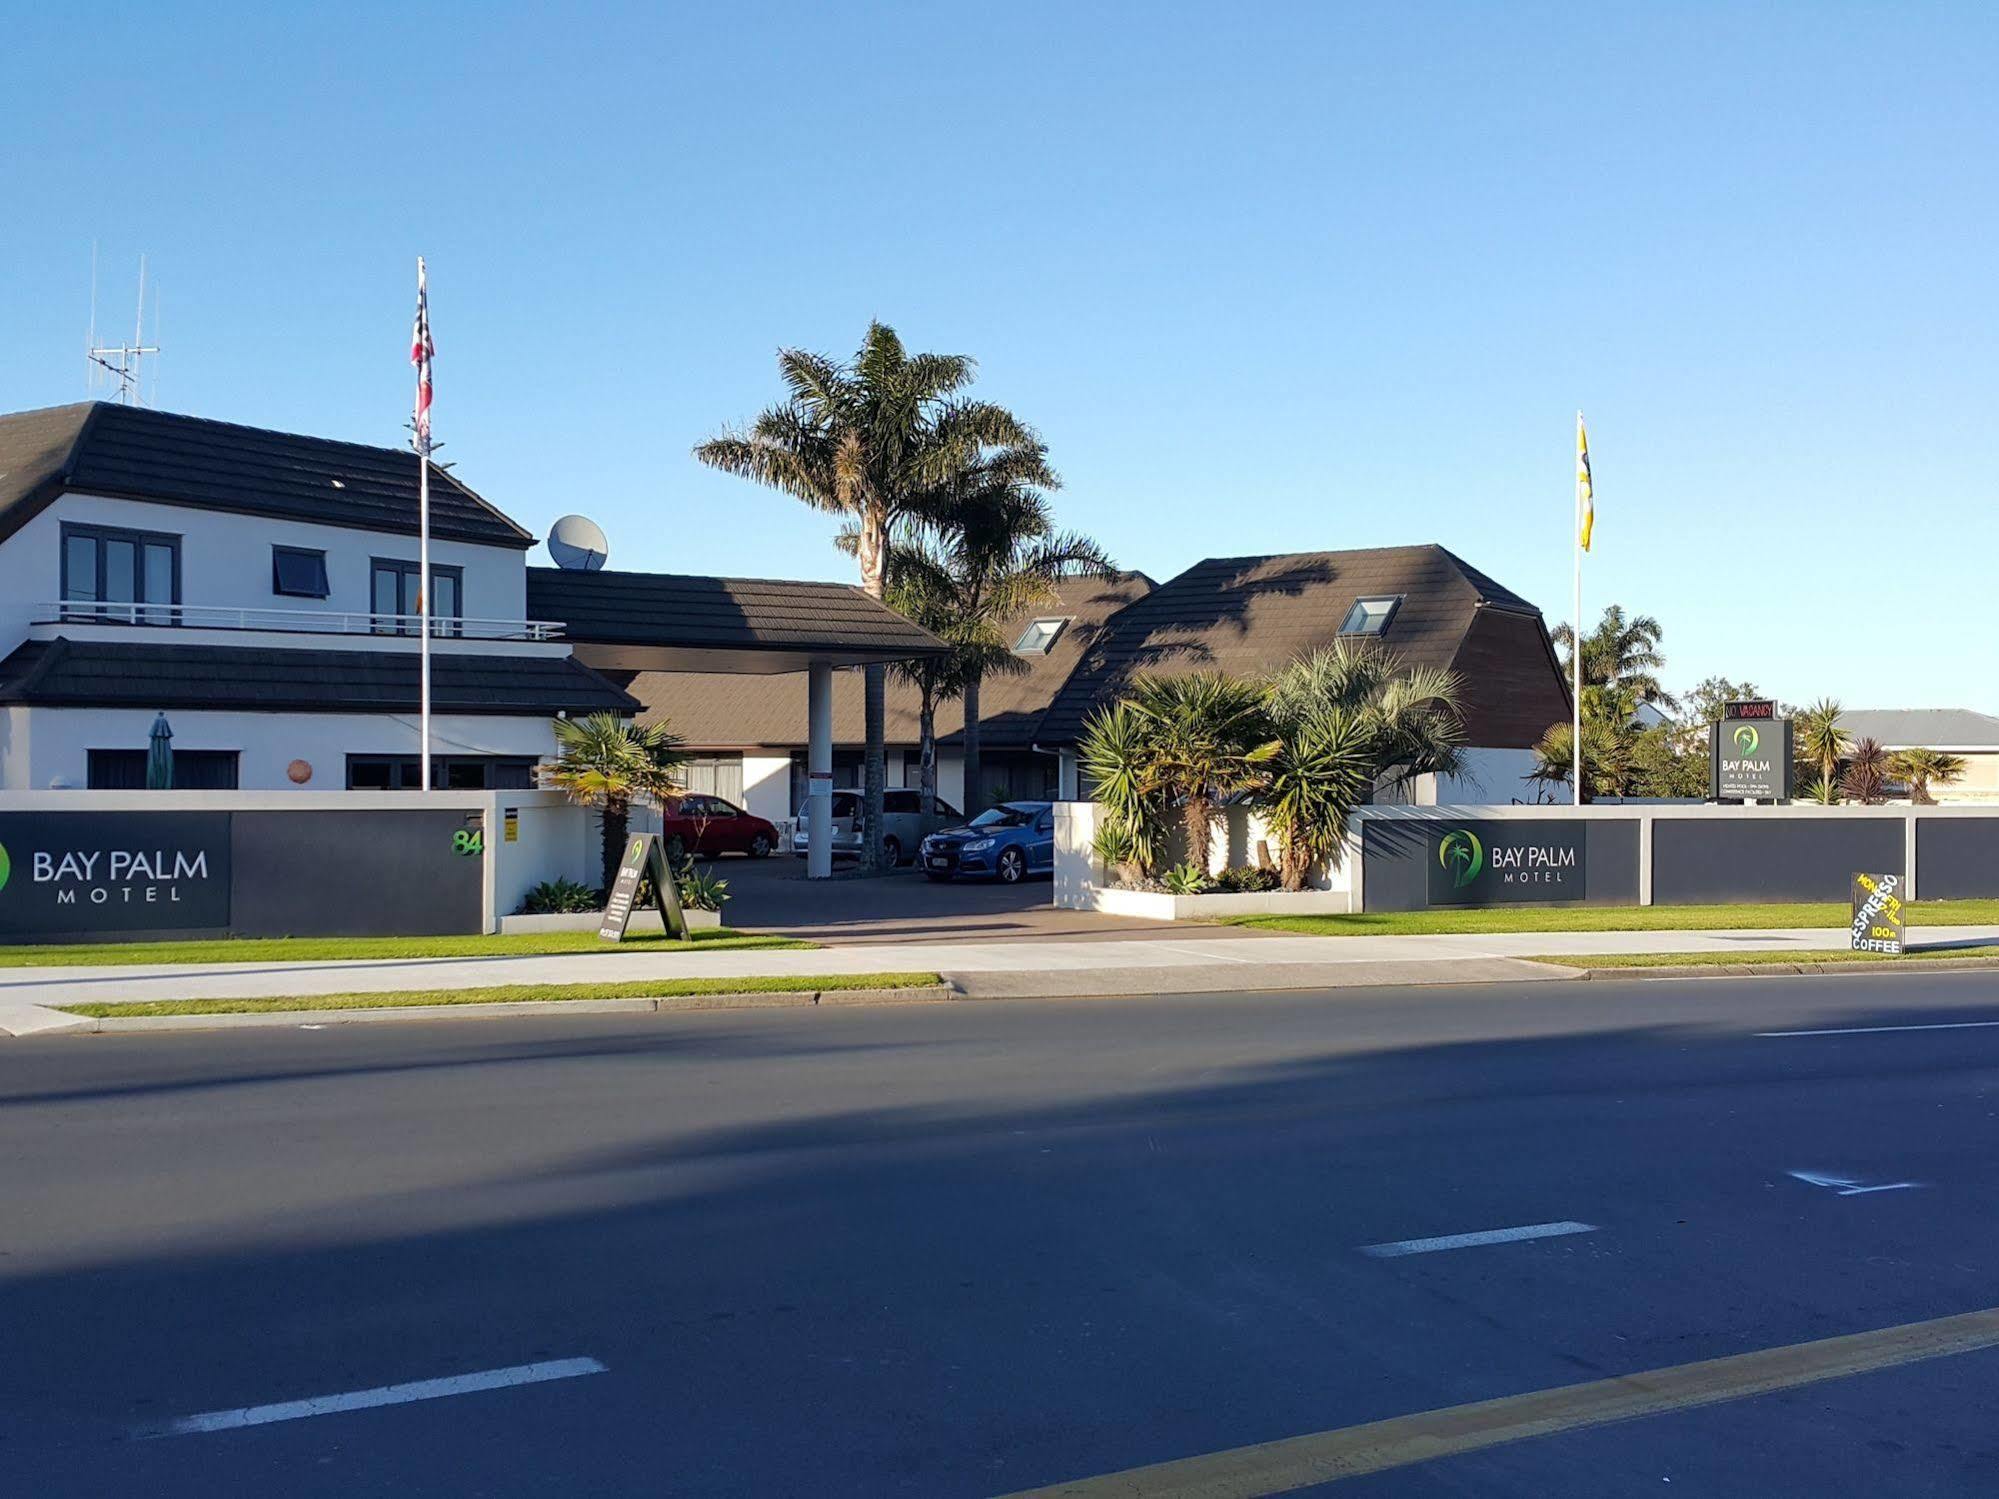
<point x="903" y="824"/>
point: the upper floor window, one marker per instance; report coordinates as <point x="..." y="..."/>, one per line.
<point x="1039" y="638"/>
<point x="298" y="572"/>
<point x="393" y="590"/>
<point x="1370" y="616"/>
<point x="104" y="568"/>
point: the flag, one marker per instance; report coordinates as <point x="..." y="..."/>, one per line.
<point x="1585" y="493"/>
<point x="421" y="350"/>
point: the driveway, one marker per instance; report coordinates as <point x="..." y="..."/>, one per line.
<point x="774" y="895"/>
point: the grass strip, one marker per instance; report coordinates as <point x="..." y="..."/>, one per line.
<point x="509" y="994"/>
<point x="334" y="949"/>
<point x="1760" y="957"/>
<point x="1927" y="913"/>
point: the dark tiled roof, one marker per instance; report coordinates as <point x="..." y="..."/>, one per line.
<point x="1927" y="728"/>
<point x="135" y="453"/>
<point x="715" y="710"/>
<point x="680" y="611"/>
<point x="145" y="674"/>
<point x="1247" y="615"/>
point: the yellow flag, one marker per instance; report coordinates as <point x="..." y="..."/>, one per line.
<point x="1585" y="493"/>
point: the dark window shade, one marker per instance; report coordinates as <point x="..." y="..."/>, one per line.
<point x="447" y="773"/>
<point x="194" y="770"/>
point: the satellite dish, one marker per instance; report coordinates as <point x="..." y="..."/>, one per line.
<point x="577" y="544"/>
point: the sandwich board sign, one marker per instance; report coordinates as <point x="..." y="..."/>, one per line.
<point x="1880" y="920"/>
<point x="643" y="855"/>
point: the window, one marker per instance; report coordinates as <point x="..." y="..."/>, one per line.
<point x="1039" y="638"/>
<point x="102" y="566"/>
<point x="901" y="801"/>
<point x="1370" y="616"/>
<point x="393" y="590"/>
<point x="447" y="773"/>
<point x="194" y="770"/>
<point x="298" y="572"/>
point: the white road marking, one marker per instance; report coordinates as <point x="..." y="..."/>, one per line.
<point x="1880" y="1030"/>
<point x="1846" y="1186"/>
<point x="1469" y="1241"/>
<point x="390" y="1394"/>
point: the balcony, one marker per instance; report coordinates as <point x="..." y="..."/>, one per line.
<point x="291" y="621"/>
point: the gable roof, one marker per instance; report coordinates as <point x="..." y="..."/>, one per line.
<point x="147" y="674"/>
<point x="674" y="612"/>
<point x="1926" y="728"/>
<point x="1246" y="615"/>
<point x="131" y="452"/>
<point x="714" y="710"/>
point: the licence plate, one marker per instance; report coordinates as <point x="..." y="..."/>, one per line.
<point x="940" y="863"/>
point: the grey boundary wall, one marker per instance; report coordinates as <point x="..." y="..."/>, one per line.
<point x="1681" y="854"/>
<point x="270" y="864"/>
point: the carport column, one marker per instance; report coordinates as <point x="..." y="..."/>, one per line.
<point x="819" y="771"/>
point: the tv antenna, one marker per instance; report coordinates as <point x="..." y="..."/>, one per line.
<point x="122" y="364"/>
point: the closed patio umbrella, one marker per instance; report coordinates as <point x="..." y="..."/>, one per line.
<point x="160" y="756"/>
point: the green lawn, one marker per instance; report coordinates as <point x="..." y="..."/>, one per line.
<point x="1730" y="959"/>
<point x="510" y="994"/>
<point x="324" y="949"/>
<point x="1929" y="913"/>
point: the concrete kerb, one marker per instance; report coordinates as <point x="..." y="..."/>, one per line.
<point x="667" y="1005"/>
<point x="1875" y="966"/>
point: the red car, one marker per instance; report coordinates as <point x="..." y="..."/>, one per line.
<point x="707" y="825"/>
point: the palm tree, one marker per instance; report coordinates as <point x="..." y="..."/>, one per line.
<point x="1865" y="779"/>
<point x="1410" y="713"/>
<point x="1606" y="757"/>
<point x="606" y="762"/>
<point x="1819" y="741"/>
<point x="1919" y="767"/>
<point x="1206" y="740"/>
<point x="1324" y="766"/>
<point x="870" y="439"/>
<point x="1114" y="755"/>
<point x="1619" y="652"/>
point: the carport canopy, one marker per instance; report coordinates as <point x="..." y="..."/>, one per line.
<point x="630" y="622"/>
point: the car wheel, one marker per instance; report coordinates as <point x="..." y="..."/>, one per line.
<point x="676" y="849"/>
<point x="760" y="846"/>
<point x="1012" y="865"/>
<point x="892" y="852"/>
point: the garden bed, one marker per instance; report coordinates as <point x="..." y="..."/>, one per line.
<point x="589" y="921"/>
<point x="1159" y="905"/>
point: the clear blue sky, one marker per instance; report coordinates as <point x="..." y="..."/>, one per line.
<point x="1268" y="278"/>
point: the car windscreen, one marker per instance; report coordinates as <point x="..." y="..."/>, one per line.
<point x="1003" y="817"/>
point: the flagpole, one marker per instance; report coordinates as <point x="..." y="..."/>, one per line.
<point x="1576" y="646"/>
<point x="423" y="556"/>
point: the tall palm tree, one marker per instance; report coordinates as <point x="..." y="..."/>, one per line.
<point x="869" y="438"/>
<point x="1919" y="767"/>
<point x="1207" y="739"/>
<point x="1621" y="653"/>
<point x="606" y="762"/>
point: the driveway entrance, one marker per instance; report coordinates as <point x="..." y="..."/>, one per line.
<point x="773" y="895"/>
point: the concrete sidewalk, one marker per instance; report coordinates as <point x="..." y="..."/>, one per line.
<point x="1191" y="963"/>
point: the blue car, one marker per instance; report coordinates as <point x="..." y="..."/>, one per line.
<point x="1005" y="843"/>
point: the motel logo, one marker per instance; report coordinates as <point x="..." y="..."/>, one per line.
<point x="1463" y="855"/>
<point x="102" y="876"/>
<point x="86" y="872"/>
<point x="1495" y="862"/>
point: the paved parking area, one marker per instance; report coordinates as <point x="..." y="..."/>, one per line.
<point x="774" y="895"/>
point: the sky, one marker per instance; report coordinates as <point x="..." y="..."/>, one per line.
<point x="1267" y="279"/>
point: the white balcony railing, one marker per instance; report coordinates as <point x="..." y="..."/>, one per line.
<point x="292" y="621"/>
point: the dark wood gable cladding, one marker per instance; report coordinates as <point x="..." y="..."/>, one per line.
<point x="1513" y="683"/>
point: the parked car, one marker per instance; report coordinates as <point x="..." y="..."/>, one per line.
<point x="1005" y="843"/>
<point x="707" y="825"/>
<point x="903" y="824"/>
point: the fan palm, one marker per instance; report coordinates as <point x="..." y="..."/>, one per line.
<point x="1921" y="767"/>
<point x="869" y="439"/>
<point x="1206" y="740"/>
<point x="606" y="762"/>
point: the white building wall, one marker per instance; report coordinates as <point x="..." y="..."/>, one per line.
<point x="226" y="561"/>
<point x="1495" y="777"/>
<point x="59" y="741"/>
<point x="767" y="785"/>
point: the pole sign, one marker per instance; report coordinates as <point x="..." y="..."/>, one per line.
<point x="643" y="855"/>
<point x="1880" y="921"/>
<point x="1749" y="757"/>
<point x="1499" y="862"/>
<point x="64" y="873"/>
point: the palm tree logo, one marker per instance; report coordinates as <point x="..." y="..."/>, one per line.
<point x="1462" y="854"/>
<point x="1746" y="740"/>
<point x="6" y="866"/>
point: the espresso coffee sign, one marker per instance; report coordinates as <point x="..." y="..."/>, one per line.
<point x="65" y="873"/>
<point x="1880" y="920"/>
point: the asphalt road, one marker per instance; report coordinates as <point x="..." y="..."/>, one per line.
<point x="967" y="1250"/>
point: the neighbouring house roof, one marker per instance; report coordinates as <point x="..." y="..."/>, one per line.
<point x="675" y="622"/>
<point x="715" y="710"/>
<point x="64" y="673"/>
<point x="1246" y="615"/>
<point x="1926" y="728"/>
<point x="131" y="452"/>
